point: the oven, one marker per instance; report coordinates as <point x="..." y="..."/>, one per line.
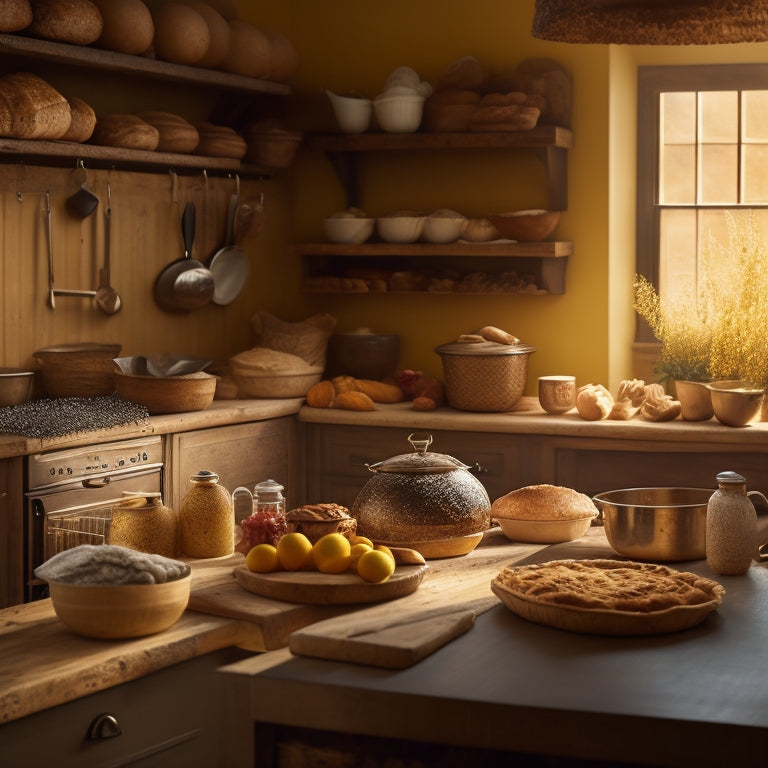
<point x="70" y="493"/>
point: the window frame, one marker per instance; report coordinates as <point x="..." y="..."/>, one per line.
<point x="652" y="81"/>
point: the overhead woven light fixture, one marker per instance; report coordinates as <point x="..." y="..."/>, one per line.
<point x="653" y="22"/>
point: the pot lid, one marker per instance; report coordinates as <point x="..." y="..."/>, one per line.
<point x="420" y="461"/>
<point x="483" y="348"/>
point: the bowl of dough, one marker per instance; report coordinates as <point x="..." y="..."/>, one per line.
<point x="399" y="106"/>
<point x="349" y="226"/>
<point x="260" y="372"/>
<point x="401" y="226"/>
<point x="114" y="593"/>
<point x="544" y="514"/>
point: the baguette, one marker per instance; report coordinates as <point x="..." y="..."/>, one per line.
<point x="380" y="391"/>
<point x="30" y="108"/>
<point x="353" y="401"/>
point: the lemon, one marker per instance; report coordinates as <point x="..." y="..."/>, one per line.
<point x="356" y="551"/>
<point x="386" y="550"/>
<point x="294" y="551"/>
<point x="332" y="553"/>
<point x="262" y="559"/>
<point x="376" y="566"/>
<point x="355" y="539"/>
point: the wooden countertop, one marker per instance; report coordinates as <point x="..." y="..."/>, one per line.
<point x="698" y="697"/>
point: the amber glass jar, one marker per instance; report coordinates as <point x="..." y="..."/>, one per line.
<point x="206" y="518"/>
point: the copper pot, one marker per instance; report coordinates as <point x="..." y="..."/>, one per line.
<point x="428" y="501"/>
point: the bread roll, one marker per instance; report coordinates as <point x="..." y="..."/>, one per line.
<point x="182" y="35"/>
<point x="218" y="29"/>
<point x="543" y="502"/>
<point x="317" y="520"/>
<point x="480" y="231"/>
<point x="68" y="21"/>
<point x="176" y="134"/>
<point x="128" y="26"/>
<point x="82" y="123"/>
<point x="220" y="141"/>
<point x="30" y="108"/>
<point x="125" y="131"/>
<point x="249" y="51"/>
<point x="15" y="15"/>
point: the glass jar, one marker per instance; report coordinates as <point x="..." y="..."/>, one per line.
<point x="140" y="521"/>
<point x="268" y="497"/>
<point x="206" y="518"/>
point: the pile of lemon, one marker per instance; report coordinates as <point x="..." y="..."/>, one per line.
<point x="333" y="553"/>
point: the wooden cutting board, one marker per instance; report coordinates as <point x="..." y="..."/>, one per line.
<point x="317" y="588"/>
<point x="391" y="638"/>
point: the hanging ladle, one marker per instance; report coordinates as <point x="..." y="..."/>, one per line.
<point x="107" y="298"/>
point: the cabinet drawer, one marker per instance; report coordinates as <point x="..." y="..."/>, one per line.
<point x="167" y="718"/>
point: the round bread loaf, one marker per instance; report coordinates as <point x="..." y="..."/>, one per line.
<point x="480" y="231"/>
<point x="318" y="520"/>
<point x="128" y="26"/>
<point x="15" y="15"/>
<point x="69" y="21"/>
<point x="181" y="33"/>
<point x="218" y="29"/>
<point x="126" y="131"/>
<point x="83" y="121"/>
<point x="220" y="141"/>
<point x="227" y="8"/>
<point x="176" y="134"/>
<point x="544" y="502"/>
<point x="249" y="51"/>
<point x="283" y="57"/>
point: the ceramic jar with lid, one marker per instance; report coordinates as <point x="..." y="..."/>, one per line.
<point x="142" y="522"/>
<point x="731" y="538"/>
<point x="206" y="518"/>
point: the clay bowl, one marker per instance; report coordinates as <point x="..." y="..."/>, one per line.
<point x="15" y="386"/>
<point x="735" y="404"/>
<point x="77" y="370"/>
<point x="119" y="611"/>
<point x="526" y="226"/>
<point x="167" y="394"/>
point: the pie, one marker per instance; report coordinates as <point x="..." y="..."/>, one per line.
<point x="613" y="597"/>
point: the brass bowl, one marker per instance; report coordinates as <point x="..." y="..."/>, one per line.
<point x="735" y="404"/>
<point x="659" y="524"/>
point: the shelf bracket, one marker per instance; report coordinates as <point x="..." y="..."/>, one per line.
<point x="555" y="160"/>
<point x="345" y="166"/>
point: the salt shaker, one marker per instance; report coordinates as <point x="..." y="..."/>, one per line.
<point x="731" y="537"/>
<point x="206" y="518"/>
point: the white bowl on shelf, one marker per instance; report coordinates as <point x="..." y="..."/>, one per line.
<point x="400" y="229"/>
<point x="353" y="113"/>
<point x="352" y="229"/>
<point x="399" y="114"/>
<point x="443" y="229"/>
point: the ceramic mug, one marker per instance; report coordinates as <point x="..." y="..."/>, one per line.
<point x="557" y="394"/>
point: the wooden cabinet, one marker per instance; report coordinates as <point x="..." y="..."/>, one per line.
<point x="11" y="531"/>
<point x="241" y="454"/>
<point x="83" y="61"/>
<point x="545" y="261"/>
<point x="164" y="719"/>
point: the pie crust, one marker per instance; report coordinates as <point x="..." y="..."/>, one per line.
<point x="608" y="597"/>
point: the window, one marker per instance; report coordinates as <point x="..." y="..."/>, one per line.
<point x="702" y="151"/>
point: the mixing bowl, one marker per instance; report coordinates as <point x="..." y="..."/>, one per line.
<point x="664" y="524"/>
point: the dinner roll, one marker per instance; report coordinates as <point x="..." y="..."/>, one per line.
<point x="543" y="502"/>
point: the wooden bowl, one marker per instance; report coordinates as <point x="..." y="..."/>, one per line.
<point x="77" y="370"/>
<point x="258" y="384"/>
<point x="15" y="386"/>
<point x="167" y="394"/>
<point x="526" y="226"/>
<point x="119" y="611"/>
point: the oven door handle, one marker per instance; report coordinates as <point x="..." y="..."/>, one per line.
<point x="96" y="482"/>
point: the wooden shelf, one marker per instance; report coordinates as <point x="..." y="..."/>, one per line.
<point x="139" y="66"/>
<point x="497" y="248"/>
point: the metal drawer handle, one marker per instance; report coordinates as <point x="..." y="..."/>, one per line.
<point x="104" y="726"/>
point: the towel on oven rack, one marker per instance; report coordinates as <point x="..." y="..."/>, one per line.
<point x="110" y="564"/>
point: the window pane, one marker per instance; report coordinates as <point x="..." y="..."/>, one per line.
<point x="677" y="252"/>
<point x="678" y="118"/>
<point x="754" y="173"/>
<point x="718" y="117"/>
<point x="754" y="120"/>
<point x="677" y="175"/>
<point x="718" y="174"/>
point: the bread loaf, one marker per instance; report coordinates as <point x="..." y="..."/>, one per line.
<point x="175" y="133"/>
<point x="127" y="26"/>
<point x="318" y="520"/>
<point x="543" y="502"/>
<point x="465" y="73"/>
<point x="249" y="51"/>
<point x="125" y="131"/>
<point x="68" y="21"/>
<point x="15" y="15"/>
<point x="218" y="30"/>
<point x="181" y="33"/>
<point x="283" y="57"/>
<point x="220" y="141"/>
<point x="30" y="108"/>
<point x="83" y="121"/>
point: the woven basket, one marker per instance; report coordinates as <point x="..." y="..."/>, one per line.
<point x="484" y="376"/>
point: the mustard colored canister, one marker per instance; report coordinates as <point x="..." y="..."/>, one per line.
<point x="207" y="518"/>
<point x="731" y="534"/>
<point x="142" y="522"/>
